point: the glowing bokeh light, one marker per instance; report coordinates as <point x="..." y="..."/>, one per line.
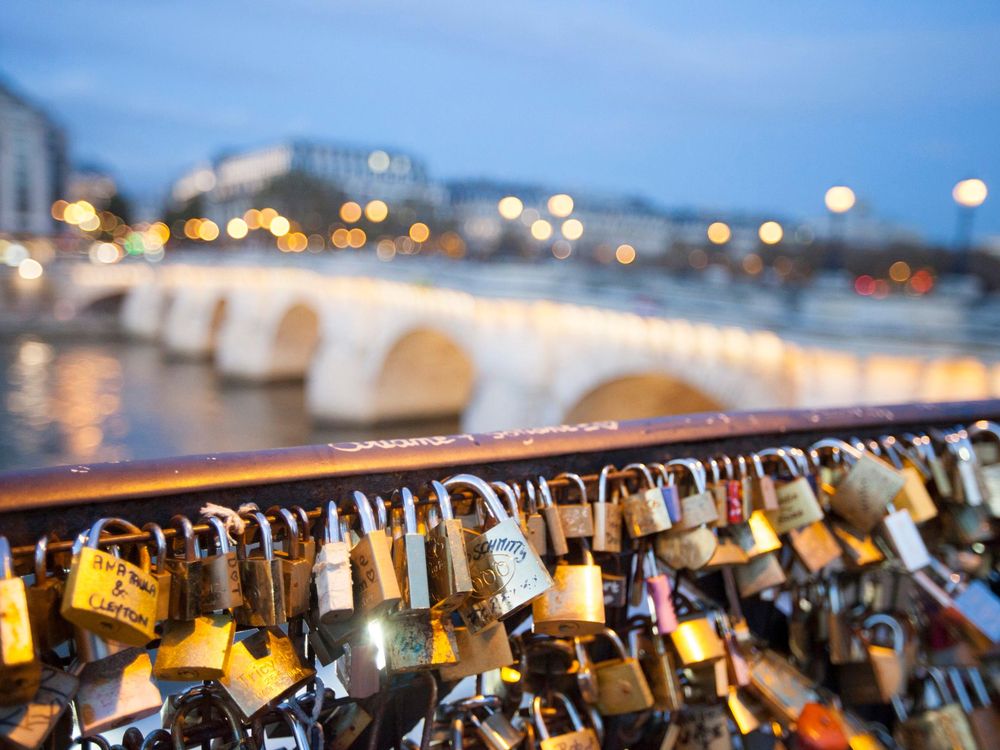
<point x="770" y="233"/>
<point x="208" y="230"/>
<point x="510" y="207"/>
<point x="237" y="228"/>
<point x="560" y="205"/>
<point x="839" y="199"/>
<point x="378" y="161"/>
<point x="30" y="269"/>
<point x="541" y="229"/>
<point x="252" y="218"/>
<point x="419" y="232"/>
<point x="279" y="226"/>
<point x="340" y="238"/>
<point x="899" y="271"/>
<point x="625" y="254"/>
<point x="970" y="193"/>
<point x="719" y="233"/>
<point x="376" y="211"/>
<point x="357" y="237"/>
<point x="753" y="264"/>
<point x="350" y="212"/>
<point x="572" y="229"/>
<point x="561" y="249"/>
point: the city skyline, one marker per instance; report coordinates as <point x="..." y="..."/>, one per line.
<point x="754" y="112"/>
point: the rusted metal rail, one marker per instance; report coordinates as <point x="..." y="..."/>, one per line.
<point x="65" y="499"/>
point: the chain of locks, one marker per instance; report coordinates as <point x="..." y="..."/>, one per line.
<point x="857" y="579"/>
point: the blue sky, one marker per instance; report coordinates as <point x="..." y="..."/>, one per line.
<point x="726" y="105"/>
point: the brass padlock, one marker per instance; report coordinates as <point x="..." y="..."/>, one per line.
<point x="48" y="628"/>
<point x="26" y="726"/>
<point x="798" y="506"/>
<point x="375" y="583"/>
<point x="506" y="572"/>
<point x="607" y="516"/>
<point x="697" y="640"/>
<point x="756" y="536"/>
<point x="479" y="652"/>
<point x="332" y="572"/>
<point x="580" y="737"/>
<point x="533" y="523"/>
<point x="703" y="728"/>
<point x="115" y="692"/>
<point x="815" y="546"/>
<point x="495" y="731"/>
<point x="185" y="573"/>
<point x="261" y="576"/>
<point x="861" y="497"/>
<point x="556" y="543"/>
<point x="263" y="669"/>
<point x="108" y="595"/>
<point x="221" y="587"/>
<point x="447" y="561"/>
<point x="20" y="668"/>
<point x="160" y="572"/>
<point x="416" y="641"/>
<point x="644" y="512"/>
<point x="197" y="649"/>
<point x="208" y="705"/>
<point x="881" y="673"/>
<point x="658" y="665"/>
<point x="307" y="543"/>
<point x="760" y="573"/>
<point x="783" y="688"/>
<point x="697" y="507"/>
<point x="577" y="518"/>
<point x="409" y="558"/>
<point x="296" y="568"/>
<point x="575" y="603"/>
<point x="621" y="684"/>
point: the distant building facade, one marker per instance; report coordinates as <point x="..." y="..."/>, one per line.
<point x="32" y="166"/>
<point x="229" y="184"/>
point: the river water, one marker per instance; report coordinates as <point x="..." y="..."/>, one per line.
<point x="72" y="400"/>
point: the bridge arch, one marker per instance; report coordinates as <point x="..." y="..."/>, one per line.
<point x="425" y="374"/>
<point x="296" y="339"/>
<point x="639" y="395"/>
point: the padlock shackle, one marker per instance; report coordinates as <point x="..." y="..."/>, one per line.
<point x="530" y="497"/>
<point x="193" y="699"/>
<point x="185" y="532"/>
<point x="783" y="455"/>
<point x="602" y="484"/>
<point x="537" y="708"/>
<point x="366" y="517"/>
<point x="92" y="537"/>
<point x="221" y="534"/>
<point x="156" y="532"/>
<point x="695" y="468"/>
<point x="409" y="506"/>
<point x="955" y="675"/>
<point x="576" y="479"/>
<point x="502" y="488"/>
<point x="872" y="622"/>
<point x="288" y="520"/>
<point x="266" y="539"/>
<point x="984" y="427"/>
<point x="642" y="469"/>
<point x="298" y="731"/>
<point x="40" y="559"/>
<point x="979" y="687"/>
<point x="481" y="488"/>
<point x="331" y="524"/>
<point x="6" y="559"/>
<point x="381" y="513"/>
<point x="443" y="500"/>
<point x="835" y="444"/>
<point x="713" y="466"/>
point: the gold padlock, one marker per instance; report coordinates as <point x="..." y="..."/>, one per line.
<point x="115" y="692"/>
<point x="479" y="652"/>
<point x="621" y="684"/>
<point x="108" y="595"/>
<point x="376" y="586"/>
<point x="575" y="603"/>
<point x="263" y="669"/>
<point x="417" y="641"/>
<point x="26" y="726"/>
<point x="20" y="669"/>
<point x="577" y="519"/>
<point x="48" y="627"/>
<point x="580" y="737"/>
<point x="644" y="512"/>
<point x="607" y="516"/>
<point x="697" y="641"/>
<point x="197" y="649"/>
<point x="447" y="560"/>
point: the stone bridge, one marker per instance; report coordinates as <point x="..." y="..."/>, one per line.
<point x="375" y="351"/>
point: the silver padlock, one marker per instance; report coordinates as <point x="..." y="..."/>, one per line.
<point x="409" y="558"/>
<point x="495" y="730"/>
<point x="332" y="572"/>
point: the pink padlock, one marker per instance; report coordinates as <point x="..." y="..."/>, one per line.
<point x="661" y="605"/>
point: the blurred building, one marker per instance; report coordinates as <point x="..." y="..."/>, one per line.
<point x="91" y="184"/>
<point x="606" y="221"/>
<point x="32" y="165"/>
<point x="229" y="184"/>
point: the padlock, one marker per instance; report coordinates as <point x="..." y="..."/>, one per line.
<point x="261" y="577"/>
<point x="108" y="595"/>
<point x="220" y="580"/>
<point x="580" y="737"/>
<point x="621" y="684"/>
<point x="577" y="518"/>
<point x="409" y="559"/>
<point x="859" y="549"/>
<point x="900" y="531"/>
<point x="332" y="572"/>
<point x="506" y="572"/>
<point x="307" y="543"/>
<point x="115" y="692"/>
<point x="197" y="649"/>
<point x="703" y="728"/>
<point x="417" y="641"/>
<point x="669" y="491"/>
<point x="937" y="725"/>
<point x="346" y="725"/>
<point x="970" y="485"/>
<point x="376" y="587"/>
<point x="983" y="718"/>
<point x="881" y="674"/>
<point x="815" y="546"/>
<point x="447" y="561"/>
<point x="727" y="554"/>
<point x="26" y="726"/>
<point x="185" y="572"/>
<point x="691" y="550"/>
<point x="607" y="516"/>
<point x="48" y="629"/>
<point x="479" y="652"/>
<point x="263" y="669"/>
<point x="160" y="572"/>
<point x="658" y="664"/>
<point x="765" y="496"/>
<point x="798" y="506"/>
<point x="575" y="603"/>
<point x="870" y="485"/>
<point x="697" y="640"/>
<point x="756" y="536"/>
<point x="495" y="730"/>
<point x="760" y="573"/>
<point x="658" y="595"/>
<point x="783" y="688"/>
<point x="359" y="669"/>
<point x="207" y="705"/>
<point x="914" y="496"/>
<point x="533" y="522"/>
<point x="296" y="568"/>
<point x="819" y="728"/>
<point x="697" y="508"/>
<point x="644" y="512"/>
<point x="554" y="542"/>
<point x="20" y="668"/>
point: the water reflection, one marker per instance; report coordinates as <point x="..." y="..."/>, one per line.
<point x="70" y="402"/>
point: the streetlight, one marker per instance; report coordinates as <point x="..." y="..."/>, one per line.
<point x="969" y="195"/>
<point x="839" y="199"/>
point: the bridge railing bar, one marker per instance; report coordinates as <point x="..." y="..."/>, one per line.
<point x="66" y="499"/>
